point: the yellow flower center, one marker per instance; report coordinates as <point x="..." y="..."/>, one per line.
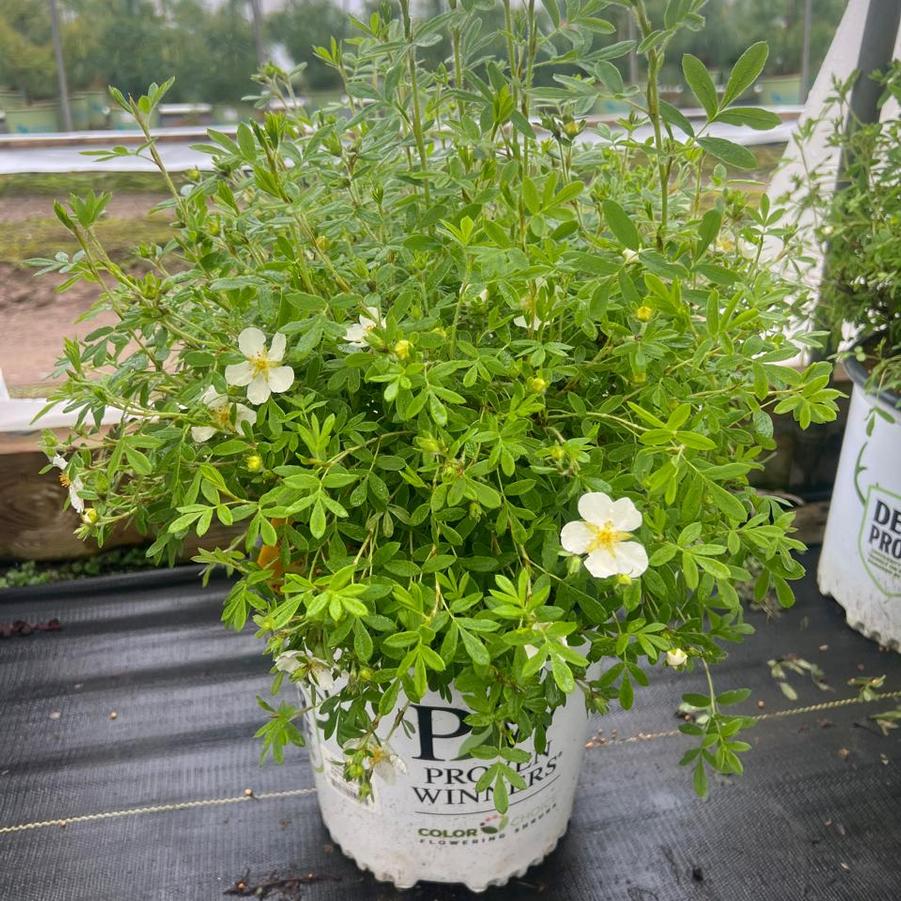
<point x="64" y="480"/>
<point x="606" y="537"/>
<point x="379" y="754"/>
<point x="260" y="364"/>
<point x="644" y="313"/>
<point x="221" y="416"/>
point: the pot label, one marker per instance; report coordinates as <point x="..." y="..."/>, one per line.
<point x="444" y="783"/>
<point x="879" y="541"/>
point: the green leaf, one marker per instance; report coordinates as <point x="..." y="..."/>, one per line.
<point x="709" y="229"/>
<point x="760" y="119"/>
<point x="730" y="153"/>
<point x="674" y="116"/>
<point x="521" y="124"/>
<point x="784" y="594"/>
<point x="501" y="798"/>
<point x="727" y="503"/>
<point x="362" y="641"/>
<point x="745" y="71"/>
<point x="475" y="648"/>
<point x="562" y="675"/>
<point x="626" y="693"/>
<point x="621" y="225"/>
<point x="698" y="79"/>
<point x="246" y="142"/>
<point x="553" y="11"/>
<point x="317" y="520"/>
<point x="663" y="555"/>
<point x="735" y="696"/>
<point x="138" y="461"/>
<point x="700" y="779"/>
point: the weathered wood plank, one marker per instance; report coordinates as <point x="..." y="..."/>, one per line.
<point x="34" y="525"/>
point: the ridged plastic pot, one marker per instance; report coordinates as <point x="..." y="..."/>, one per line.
<point x="427" y="822"/>
<point x="860" y="563"/>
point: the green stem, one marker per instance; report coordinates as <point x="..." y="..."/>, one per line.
<point x="414" y="88"/>
<point x="655" y="60"/>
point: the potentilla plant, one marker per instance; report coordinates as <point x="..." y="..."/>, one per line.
<point x="477" y="381"/>
<point x="855" y="229"/>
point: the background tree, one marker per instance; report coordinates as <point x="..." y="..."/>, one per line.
<point x="213" y="52"/>
<point x="303" y="25"/>
<point x="26" y="56"/>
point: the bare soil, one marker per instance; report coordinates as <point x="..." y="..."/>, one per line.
<point x="34" y="319"/>
<point x="121" y="206"/>
<point x="34" y="316"/>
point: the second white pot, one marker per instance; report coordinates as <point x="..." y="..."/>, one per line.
<point x="860" y="563"/>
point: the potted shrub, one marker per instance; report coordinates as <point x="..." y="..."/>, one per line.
<point x="481" y="386"/>
<point x="859" y="303"/>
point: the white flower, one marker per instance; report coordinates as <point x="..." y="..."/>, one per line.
<point x="288" y="662"/>
<point x="75" y="485"/>
<point x="260" y="371"/>
<point x="385" y="763"/>
<point x="220" y="409"/>
<point x="357" y="333"/>
<point x="317" y="671"/>
<point x="676" y="657"/>
<point x="603" y="535"/>
<point x="530" y="318"/>
<point x="534" y="322"/>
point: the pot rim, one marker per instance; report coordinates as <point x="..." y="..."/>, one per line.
<point x="860" y="377"/>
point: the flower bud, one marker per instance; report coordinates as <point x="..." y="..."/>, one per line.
<point x="429" y="445"/>
<point x="624" y="580"/>
<point x="629" y="254"/>
<point x="644" y="313"/>
<point x="402" y="349"/>
<point x="557" y="453"/>
<point x="573" y="564"/>
<point x="676" y="657"/>
<point x="572" y="129"/>
<point x="90" y="516"/>
<point x="254" y="463"/>
<point x="537" y="385"/>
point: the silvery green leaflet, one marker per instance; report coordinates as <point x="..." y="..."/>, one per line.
<point x="402" y="345"/>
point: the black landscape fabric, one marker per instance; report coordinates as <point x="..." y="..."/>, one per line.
<point x="142" y="699"/>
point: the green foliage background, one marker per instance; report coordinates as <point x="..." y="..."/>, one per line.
<point x="127" y="43"/>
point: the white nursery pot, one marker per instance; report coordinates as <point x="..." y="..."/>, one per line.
<point x="429" y="823"/>
<point x="860" y="563"/>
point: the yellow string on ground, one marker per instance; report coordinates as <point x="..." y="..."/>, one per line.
<point x="157" y="808"/>
<point x="596" y="742"/>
